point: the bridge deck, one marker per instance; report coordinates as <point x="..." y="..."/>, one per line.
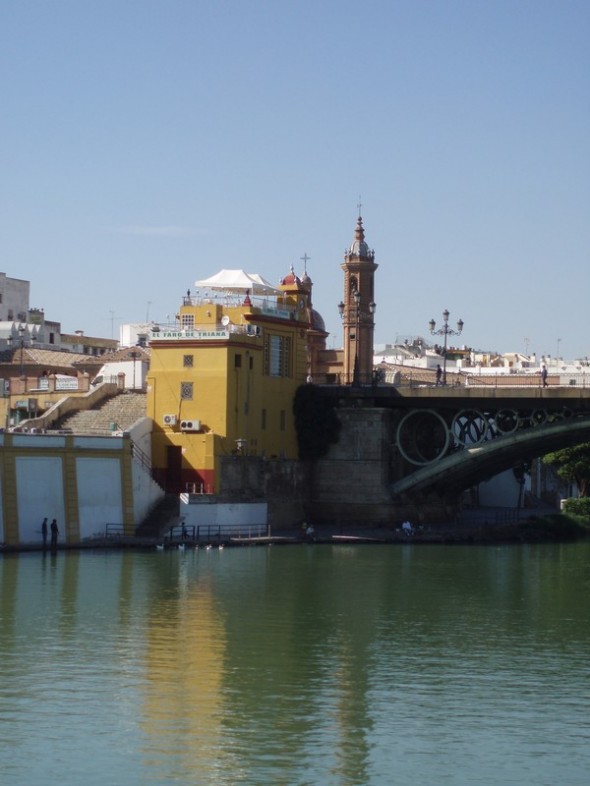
<point x="404" y="396"/>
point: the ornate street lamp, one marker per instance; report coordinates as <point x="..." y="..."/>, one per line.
<point x="445" y="331"/>
<point x="11" y="340"/>
<point x="134" y="356"/>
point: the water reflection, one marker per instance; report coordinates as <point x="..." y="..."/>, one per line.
<point x="305" y="665"/>
<point x="183" y="702"/>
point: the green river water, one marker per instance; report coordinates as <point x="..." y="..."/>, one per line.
<point x="297" y="665"/>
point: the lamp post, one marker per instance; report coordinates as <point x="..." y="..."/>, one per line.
<point x="134" y="355"/>
<point x="341" y="308"/>
<point x="11" y="340"/>
<point x="445" y="331"/>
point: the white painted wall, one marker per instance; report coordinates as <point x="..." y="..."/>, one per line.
<point x="15" y="298"/>
<point x="243" y="514"/>
<point x="134" y="371"/>
<point x="146" y="492"/>
<point x="141" y="435"/>
<point x="39" y="490"/>
<point x="99" y="494"/>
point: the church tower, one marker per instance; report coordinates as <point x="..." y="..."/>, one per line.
<point x="358" y="309"/>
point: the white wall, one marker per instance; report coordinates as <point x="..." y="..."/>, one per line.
<point x="223" y="513"/>
<point x="146" y="492"/>
<point x="99" y="494"/>
<point x="39" y="485"/>
<point x="15" y="298"/>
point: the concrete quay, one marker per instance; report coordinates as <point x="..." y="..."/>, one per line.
<point x="493" y="525"/>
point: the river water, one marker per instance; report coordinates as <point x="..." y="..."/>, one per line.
<point x="297" y="665"/>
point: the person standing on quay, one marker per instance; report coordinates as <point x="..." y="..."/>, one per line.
<point x="44" y="532"/>
<point x="544" y="376"/>
<point x="54" y="534"/>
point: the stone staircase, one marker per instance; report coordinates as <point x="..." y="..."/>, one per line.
<point x="114" y="414"/>
<point x="164" y="516"/>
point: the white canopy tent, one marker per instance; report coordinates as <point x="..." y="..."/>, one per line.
<point x="238" y="281"/>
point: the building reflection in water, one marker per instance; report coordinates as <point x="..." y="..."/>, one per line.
<point x="183" y="697"/>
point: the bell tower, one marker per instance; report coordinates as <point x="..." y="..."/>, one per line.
<point x="358" y="309"/>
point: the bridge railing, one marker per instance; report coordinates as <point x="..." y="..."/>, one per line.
<point x="408" y="377"/>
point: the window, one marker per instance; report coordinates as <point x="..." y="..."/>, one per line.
<point x="187" y="361"/>
<point x="187" y="321"/>
<point x="237" y="361"/>
<point x="277" y="356"/>
<point x="186" y="391"/>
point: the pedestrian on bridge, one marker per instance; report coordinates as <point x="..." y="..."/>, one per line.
<point x="544" y="375"/>
<point x="438" y="374"/>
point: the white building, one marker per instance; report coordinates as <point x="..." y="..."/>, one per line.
<point x="135" y="334"/>
<point x="14" y="299"/>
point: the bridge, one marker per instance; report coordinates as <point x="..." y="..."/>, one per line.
<point x="447" y="439"/>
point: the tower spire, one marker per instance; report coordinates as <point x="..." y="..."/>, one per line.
<point x="359" y="307"/>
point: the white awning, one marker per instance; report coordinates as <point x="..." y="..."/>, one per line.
<point x="238" y="281"/>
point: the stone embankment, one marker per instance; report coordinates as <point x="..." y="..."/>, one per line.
<point x="554" y="528"/>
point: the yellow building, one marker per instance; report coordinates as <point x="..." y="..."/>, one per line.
<point x="223" y="377"/>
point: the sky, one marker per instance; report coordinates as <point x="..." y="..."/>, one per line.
<point x="145" y="144"/>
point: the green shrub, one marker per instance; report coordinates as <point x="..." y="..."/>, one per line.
<point x="578" y="507"/>
<point x="554" y="527"/>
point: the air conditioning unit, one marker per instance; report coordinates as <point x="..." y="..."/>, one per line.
<point x="190" y="425"/>
<point x="169" y="420"/>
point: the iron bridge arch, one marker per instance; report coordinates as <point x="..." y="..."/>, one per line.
<point x="473" y="444"/>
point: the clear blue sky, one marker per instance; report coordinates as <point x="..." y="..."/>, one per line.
<point x="149" y="143"/>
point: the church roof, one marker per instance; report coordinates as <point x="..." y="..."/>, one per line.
<point x="359" y="247"/>
<point x="316" y="320"/>
<point x="291" y="279"/>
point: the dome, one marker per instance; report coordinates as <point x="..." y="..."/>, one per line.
<point x="291" y="280"/>
<point x="359" y="247"/>
<point x="316" y="320"/>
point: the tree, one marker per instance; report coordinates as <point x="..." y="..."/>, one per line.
<point x="573" y="465"/>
